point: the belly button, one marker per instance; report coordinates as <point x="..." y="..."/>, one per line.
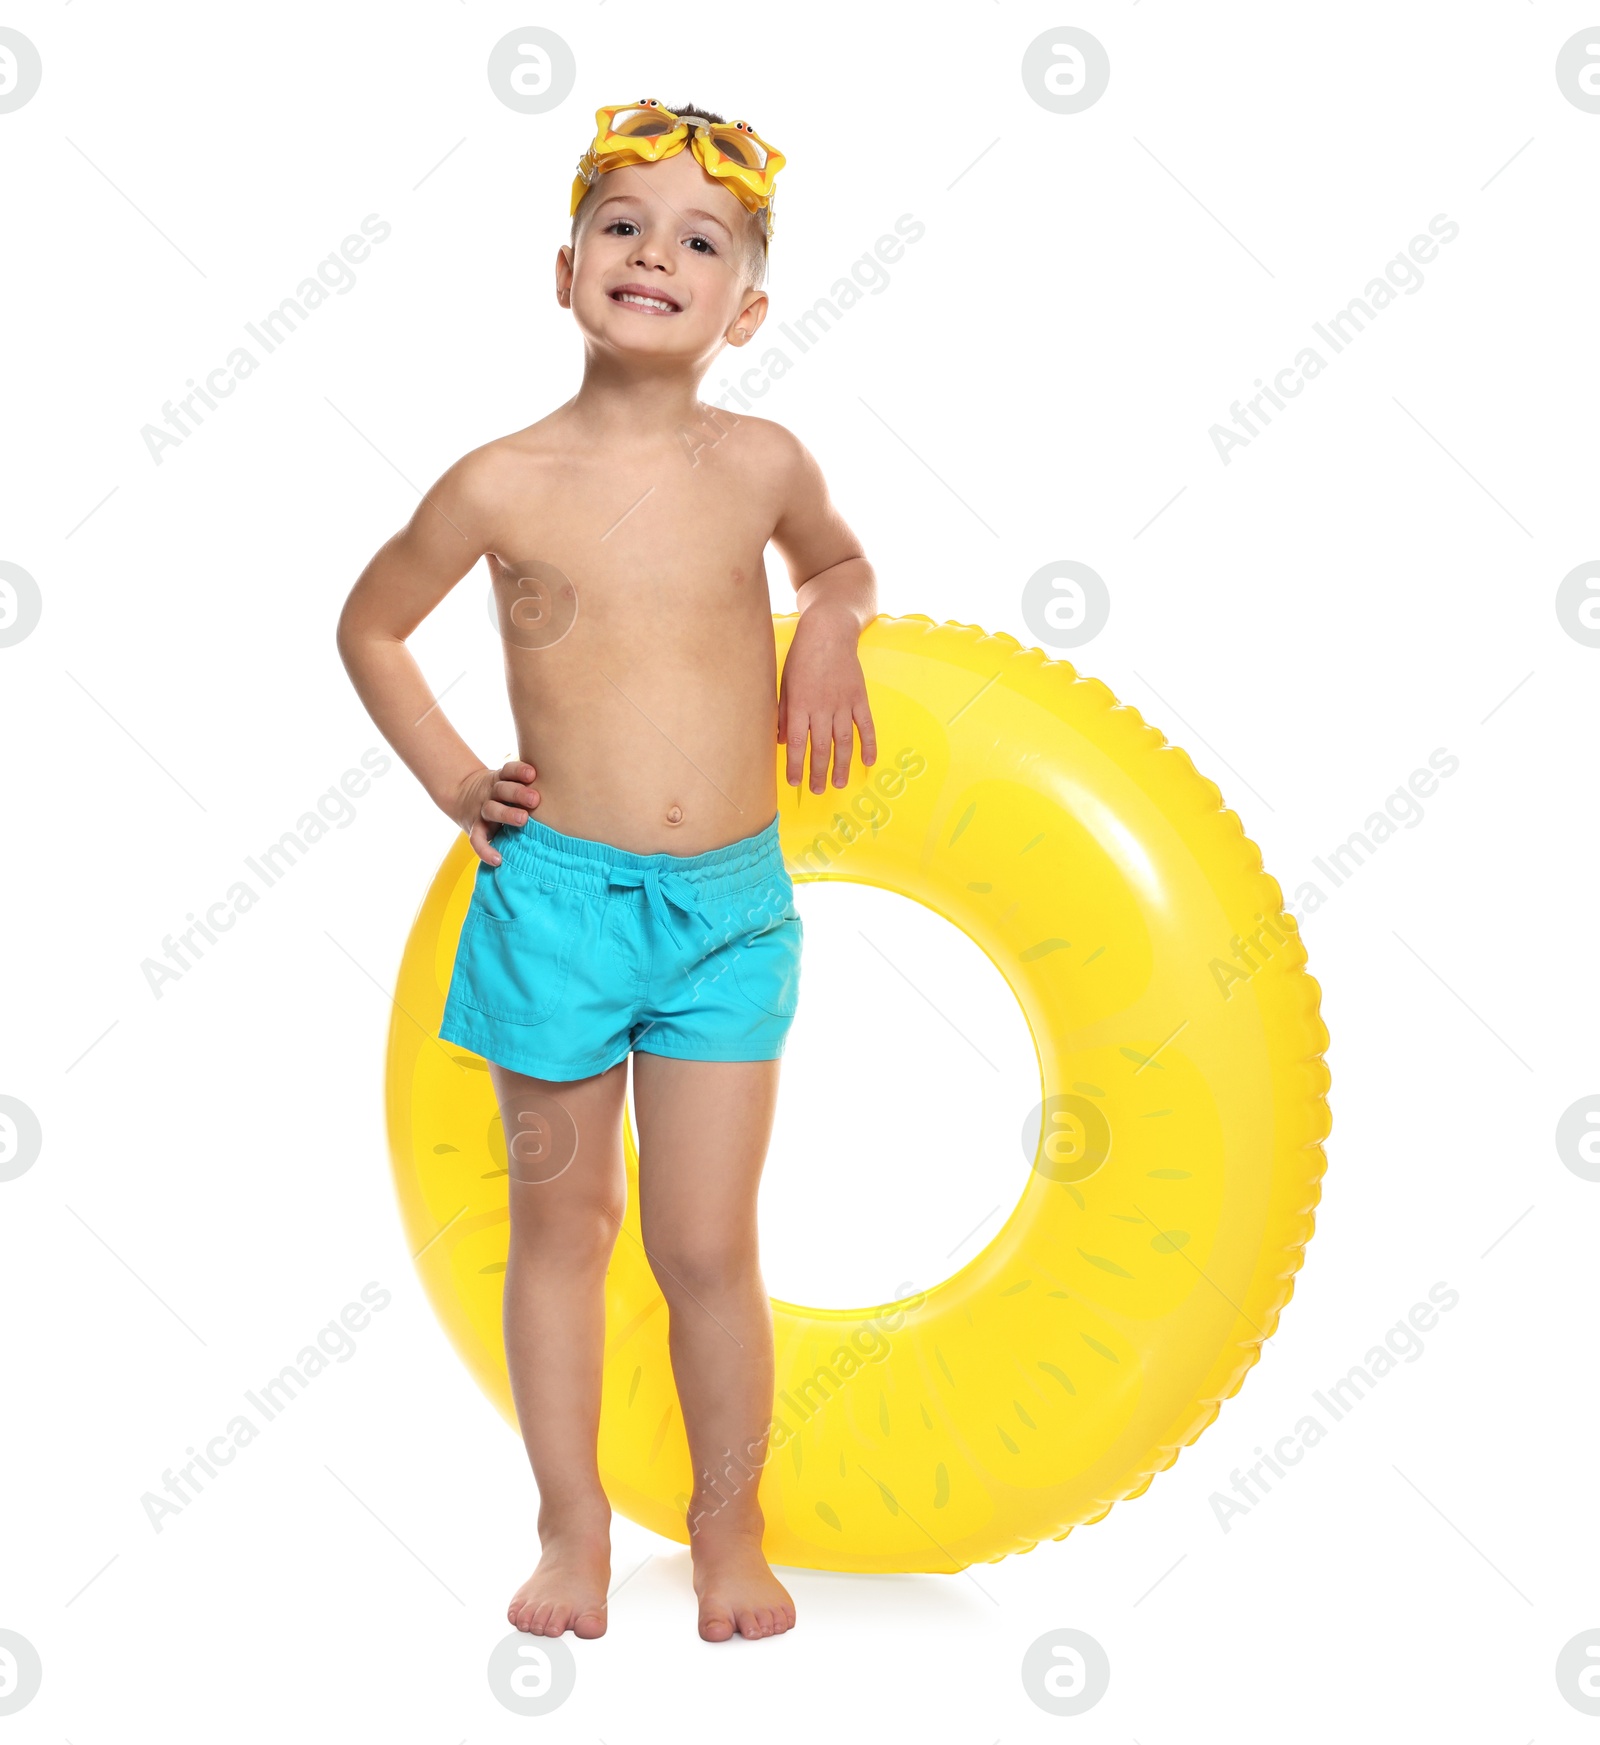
<point x="674" y="814"/>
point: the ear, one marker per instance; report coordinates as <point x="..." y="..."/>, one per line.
<point x="564" y="269"/>
<point x="748" y="319"/>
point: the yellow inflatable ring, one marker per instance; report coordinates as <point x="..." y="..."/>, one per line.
<point x="1183" y="1085"/>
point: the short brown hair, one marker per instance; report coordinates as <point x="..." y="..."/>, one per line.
<point x="755" y="227"/>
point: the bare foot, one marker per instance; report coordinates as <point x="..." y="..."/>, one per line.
<point x="568" y="1589"/>
<point x="737" y="1590"/>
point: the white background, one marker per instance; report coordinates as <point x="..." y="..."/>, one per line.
<point x="1371" y="579"/>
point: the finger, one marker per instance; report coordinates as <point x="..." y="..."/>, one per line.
<point x="869" y="734"/>
<point x="843" y="745"/>
<point x="495" y="813"/>
<point x="516" y="794"/>
<point x="821" y="745"/>
<point x="478" y="836"/>
<point x="796" y="768"/>
<point x="518" y="772"/>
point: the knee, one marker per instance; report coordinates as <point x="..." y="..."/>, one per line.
<point x="699" y="1268"/>
<point x="568" y="1235"/>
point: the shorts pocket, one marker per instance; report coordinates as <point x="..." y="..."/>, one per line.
<point x="766" y="965"/>
<point x="516" y="947"/>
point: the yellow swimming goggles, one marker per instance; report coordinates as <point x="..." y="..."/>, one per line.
<point x="644" y="133"/>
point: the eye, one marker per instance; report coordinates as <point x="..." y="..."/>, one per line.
<point x="709" y="248"/>
<point x="616" y="224"/>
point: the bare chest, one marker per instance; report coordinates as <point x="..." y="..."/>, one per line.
<point x="659" y="557"/>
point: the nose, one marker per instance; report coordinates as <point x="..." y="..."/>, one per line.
<point x="651" y="250"/>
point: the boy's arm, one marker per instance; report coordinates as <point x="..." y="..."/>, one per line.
<point x="409" y="576"/>
<point x="823" y="692"/>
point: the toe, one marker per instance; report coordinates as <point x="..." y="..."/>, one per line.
<point x="589" y="1624"/>
<point x="716" y="1625"/>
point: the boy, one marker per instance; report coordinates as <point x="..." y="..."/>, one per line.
<point x="647" y="909"/>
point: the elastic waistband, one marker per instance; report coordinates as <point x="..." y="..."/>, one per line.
<point x="587" y="864"/>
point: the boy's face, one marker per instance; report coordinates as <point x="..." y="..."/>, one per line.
<point x="671" y="234"/>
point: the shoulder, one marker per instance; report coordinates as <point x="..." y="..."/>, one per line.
<point x="485" y="478"/>
<point x="773" y="451"/>
<point x="765" y="439"/>
<point x="511" y="459"/>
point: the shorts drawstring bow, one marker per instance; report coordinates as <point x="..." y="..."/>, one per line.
<point x="660" y="888"/>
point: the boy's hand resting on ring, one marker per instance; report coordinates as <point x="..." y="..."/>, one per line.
<point x="495" y="797"/>
<point x="823" y="697"/>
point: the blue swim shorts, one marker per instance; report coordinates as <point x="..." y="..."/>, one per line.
<point x="573" y="954"/>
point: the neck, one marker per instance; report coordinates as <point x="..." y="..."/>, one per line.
<point x="627" y="403"/>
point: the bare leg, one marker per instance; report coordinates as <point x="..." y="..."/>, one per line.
<point x="703" y="1133"/>
<point x="568" y="1190"/>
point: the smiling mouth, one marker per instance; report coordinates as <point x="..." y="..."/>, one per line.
<point x="649" y="305"/>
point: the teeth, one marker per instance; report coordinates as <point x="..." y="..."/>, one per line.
<point x="644" y="302"/>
